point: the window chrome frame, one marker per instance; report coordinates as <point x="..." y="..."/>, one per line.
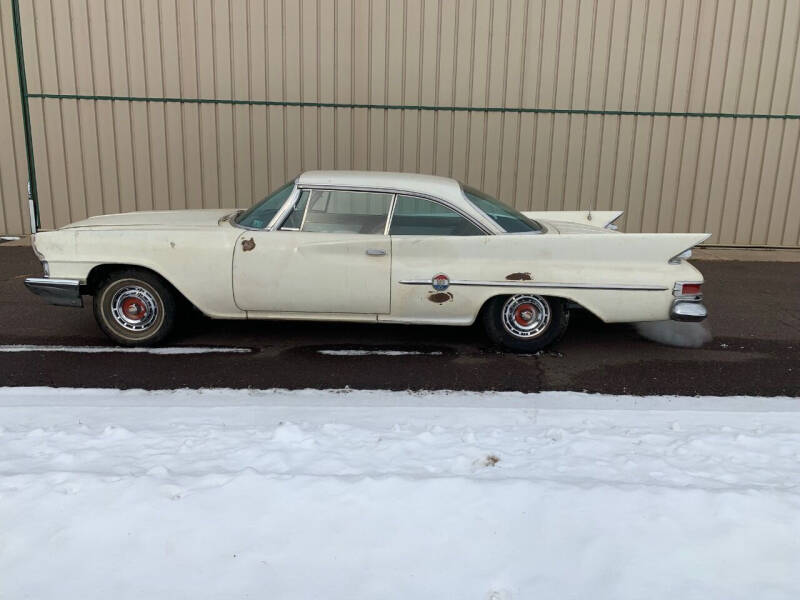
<point x="390" y="216"/>
<point x="288" y="206"/>
<point x="268" y="226"/>
<point x="306" y="208"/>
<point x="440" y="202"/>
<point x="284" y="213"/>
<point x="401" y="192"/>
<point x="285" y="210"/>
<point x="289" y="213"/>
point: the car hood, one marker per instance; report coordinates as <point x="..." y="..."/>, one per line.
<point x="160" y="219"/>
<point x="568" y="227"/>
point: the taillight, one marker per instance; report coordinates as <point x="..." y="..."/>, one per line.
<point x="690" y="289"/>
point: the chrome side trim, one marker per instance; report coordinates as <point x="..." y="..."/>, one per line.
<point x="49" y="281"/>
<point x="550" y="285"/>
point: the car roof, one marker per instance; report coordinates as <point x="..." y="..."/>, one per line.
<point x="445" y="188"/>
<point x="433" y="185"/>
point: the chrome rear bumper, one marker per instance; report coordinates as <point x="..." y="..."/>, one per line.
<point x="683" y="310"/>
<point x="61" y="292"/>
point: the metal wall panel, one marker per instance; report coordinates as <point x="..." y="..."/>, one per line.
<point x="735" y="177"/>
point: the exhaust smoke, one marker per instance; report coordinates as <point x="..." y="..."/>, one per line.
<point x="675" y="333"/>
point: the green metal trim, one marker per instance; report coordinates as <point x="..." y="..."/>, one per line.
<point x="417" y="107"/>
<point x="26" y="115"/>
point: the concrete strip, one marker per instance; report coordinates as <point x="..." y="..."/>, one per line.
<point x="119" y="349"/>
<point x="15" y="240"/>
<point x="748" y="254"/>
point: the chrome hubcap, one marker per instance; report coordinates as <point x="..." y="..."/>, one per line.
<point x="526" y="316"/>
<point x="134" y="308"/>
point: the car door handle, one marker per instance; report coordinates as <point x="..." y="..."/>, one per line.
<point x="376" y="252"/>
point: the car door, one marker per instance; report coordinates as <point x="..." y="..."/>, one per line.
<point x="330" y="256"/>
<point x="432" y="240"/>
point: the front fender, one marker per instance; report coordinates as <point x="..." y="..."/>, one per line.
<point x="197" y="263"/>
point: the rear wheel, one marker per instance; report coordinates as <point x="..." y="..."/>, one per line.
<point x="135" y="308"/>
<point x="525" y="322"/>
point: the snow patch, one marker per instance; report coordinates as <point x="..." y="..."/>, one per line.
<point x="120" y="349"/>
<point x="675" y="333"/>
<point x="377" y="353"/>
<point x="222" y="493"/>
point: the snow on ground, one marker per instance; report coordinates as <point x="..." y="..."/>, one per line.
<point x="326" y="494"/>
<point x="123" y="349"/>
<point x="377" y="353"/>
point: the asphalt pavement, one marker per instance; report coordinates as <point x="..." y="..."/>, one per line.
<point x="754" y="319"/>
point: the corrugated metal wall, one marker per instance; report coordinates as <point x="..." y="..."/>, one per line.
<point x="736" y="177"/>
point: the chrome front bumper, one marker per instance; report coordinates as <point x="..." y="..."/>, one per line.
<point x="61" y="292"/>
<point x="683" y="310"/>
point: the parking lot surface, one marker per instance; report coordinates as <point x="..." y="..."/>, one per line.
<point x="754" y="319"/>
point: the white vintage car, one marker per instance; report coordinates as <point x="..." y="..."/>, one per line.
<point x="369" y="247"/>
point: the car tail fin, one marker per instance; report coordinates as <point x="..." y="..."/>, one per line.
<point x="685" y="252"/>
<point x="596" y="218"/>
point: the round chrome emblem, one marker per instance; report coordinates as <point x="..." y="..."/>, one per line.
<point x="440" y="282"/>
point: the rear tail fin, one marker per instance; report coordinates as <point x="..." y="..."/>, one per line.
<point x="596" y="218"/>
<point x="657" y="248"/>
<point x="664" y="247"/>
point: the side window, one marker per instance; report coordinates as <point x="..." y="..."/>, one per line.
<point x="419" y="216"/>
<point x="295" y="218"/>
<point x="337" y="211"/>
<point x="261" y="214"/>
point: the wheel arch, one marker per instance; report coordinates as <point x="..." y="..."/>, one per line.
<point x="569" y="303"/>
<point x="100" y="273"/>
<point x="526" y="336"/>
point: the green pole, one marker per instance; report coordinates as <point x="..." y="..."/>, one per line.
<point x="33" y="197"/>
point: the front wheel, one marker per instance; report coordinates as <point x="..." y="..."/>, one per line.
<point x="524" y="322"/>
<point x="135" y="308"/>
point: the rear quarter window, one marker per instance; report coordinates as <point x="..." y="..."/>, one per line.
<point x="420" y="216"/>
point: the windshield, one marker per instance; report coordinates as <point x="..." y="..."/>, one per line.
<point x="259" y="215"/>
<point x="508" y="218"/>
